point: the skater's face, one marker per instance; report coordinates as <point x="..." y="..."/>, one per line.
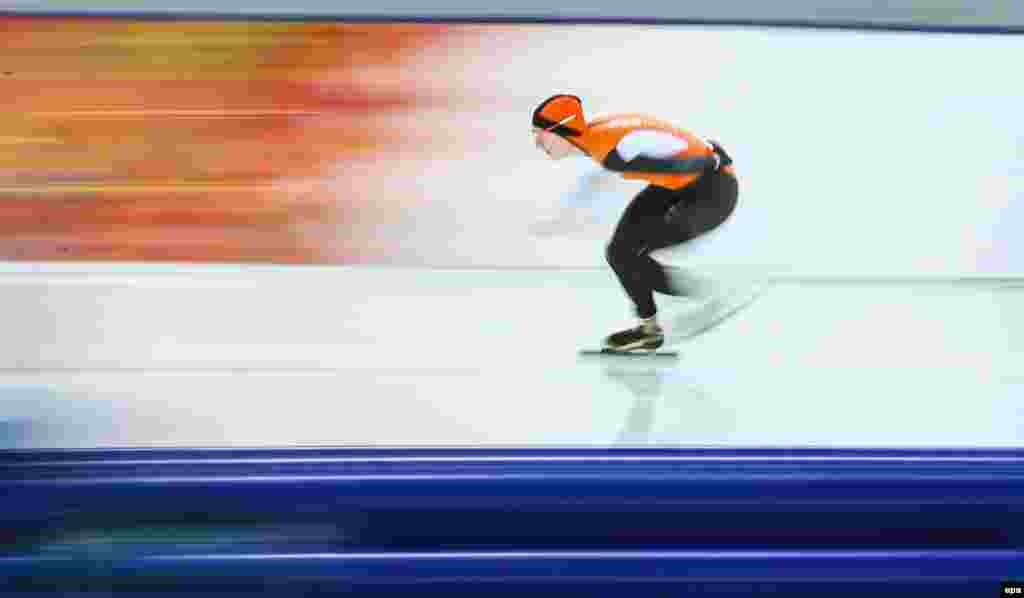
<point x="553" y="145"/>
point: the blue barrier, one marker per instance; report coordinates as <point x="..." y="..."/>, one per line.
<point x="326" y="520"/>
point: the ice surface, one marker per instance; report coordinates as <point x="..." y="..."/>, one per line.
<point x="410" y="357"/>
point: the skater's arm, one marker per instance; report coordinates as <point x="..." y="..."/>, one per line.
<point x="591" y="183"/>
<point x="583" y="205"/>
<point x="654" y="152"/>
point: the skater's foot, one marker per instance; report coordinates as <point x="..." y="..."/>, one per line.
<point x="645" y="337"/>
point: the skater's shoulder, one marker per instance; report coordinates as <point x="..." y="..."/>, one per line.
<point x="627" y="122"/>
<point x="623" y="119"/>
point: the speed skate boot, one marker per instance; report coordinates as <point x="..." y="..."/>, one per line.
<point x="646" y="337"/>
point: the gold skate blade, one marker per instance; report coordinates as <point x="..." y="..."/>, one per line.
<point x="630" y="353"/>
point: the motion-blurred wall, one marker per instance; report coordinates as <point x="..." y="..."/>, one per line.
<point x="860" y="153"/>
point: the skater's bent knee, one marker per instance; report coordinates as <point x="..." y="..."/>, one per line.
<point x="617" y="256"/>
<point x="612" y="255"/>
<point x="620" y="255"/>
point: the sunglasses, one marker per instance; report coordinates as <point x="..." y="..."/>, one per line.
<point x="560" y="123"/>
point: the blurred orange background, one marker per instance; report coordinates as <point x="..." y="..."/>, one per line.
<point x="204" y="141"/>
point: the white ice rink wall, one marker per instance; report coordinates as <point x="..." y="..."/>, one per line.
<point x="859" y="154"/>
